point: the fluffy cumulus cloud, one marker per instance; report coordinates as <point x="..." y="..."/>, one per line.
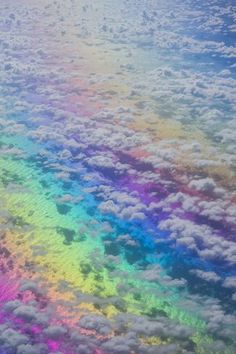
<point x="193" y="235"/>
<point x="230" y="282"/>
<point x="208" y="276"/>
<point x="98" y="323"/>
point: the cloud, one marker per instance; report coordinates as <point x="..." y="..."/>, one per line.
<point x="230" y="282"/>
<point x="26" y="312"/>
<point x="31" y="286"/>
<point x="10" y="338"/>
<point x="190" y="234"/>
<point x="109" y="207"/>
<point x="121" y="344"/>
<point x="31" y="349"/>
<point x="95" y="322"/>
<point x="207" y="276"/>
<point x="203" y="185"/>
<point x="55" y="332"/>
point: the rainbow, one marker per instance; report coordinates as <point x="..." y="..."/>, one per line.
<point x="117" y="180"/>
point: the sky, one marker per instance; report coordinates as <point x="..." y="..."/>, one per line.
<point x="117" y="177"/>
